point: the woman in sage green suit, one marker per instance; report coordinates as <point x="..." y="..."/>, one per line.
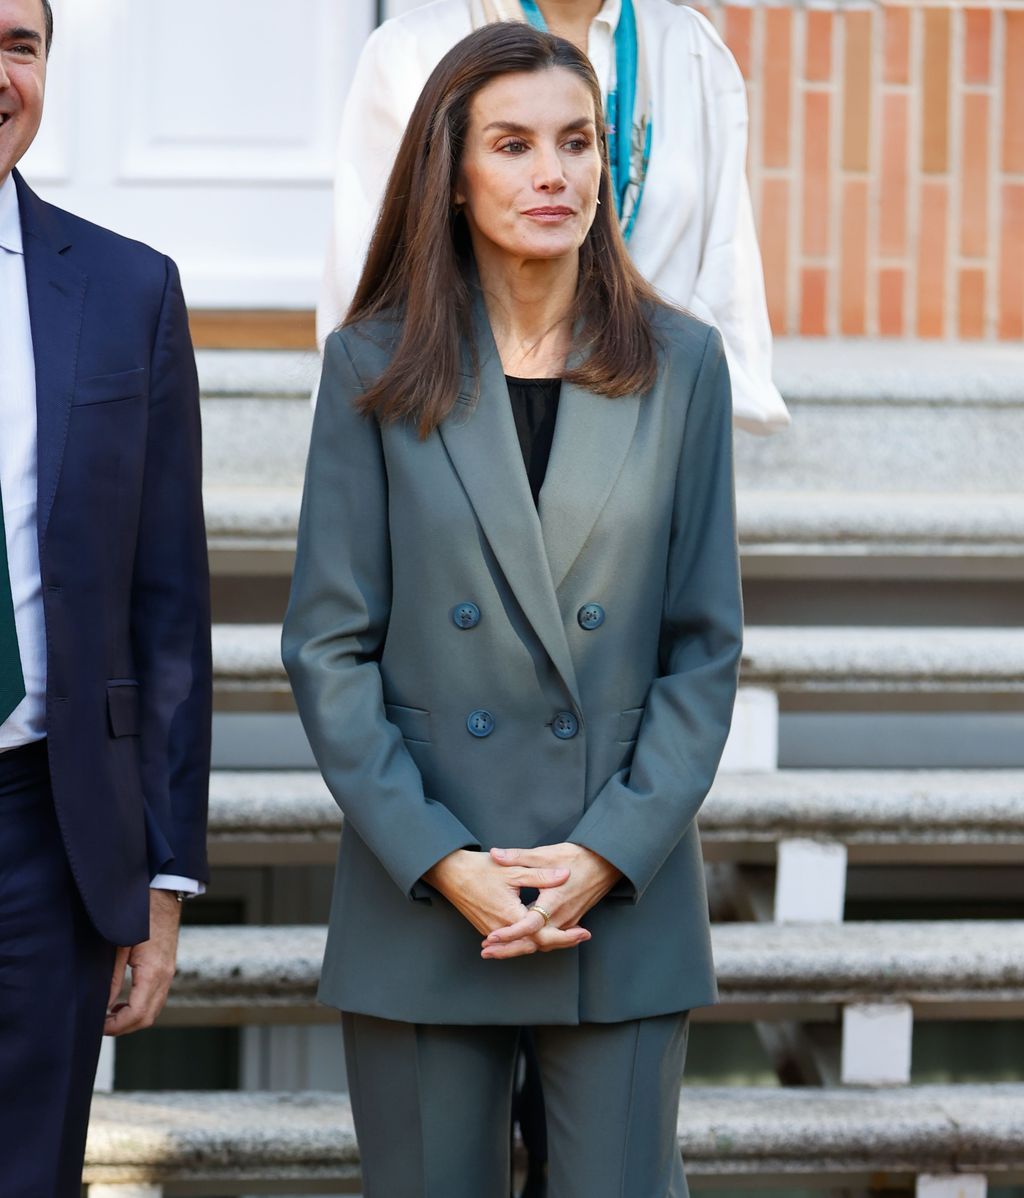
<point x="516" y="670"/>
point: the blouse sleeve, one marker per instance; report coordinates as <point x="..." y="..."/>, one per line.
<point x="380" y="101"/>
<point x="729" y="290"/>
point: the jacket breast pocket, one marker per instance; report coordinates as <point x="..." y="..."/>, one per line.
<point x="629" y="724"/>
<point x="412" y="722"/>
<point x="123" y="707"/>
<point x="108" y="388"/>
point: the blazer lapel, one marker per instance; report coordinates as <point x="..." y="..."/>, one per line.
<point x="592" y="437"/>
<point x="56" y="295"/>
<point x="481" y="441"/>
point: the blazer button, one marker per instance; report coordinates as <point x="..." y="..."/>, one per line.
<point x="466" y="615"/>
<point x="480" y="723"/>
<point x="565" y="725"/>
<point x="590" y="616"/>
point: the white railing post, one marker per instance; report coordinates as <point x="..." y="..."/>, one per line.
<point x="953" y="1185"/>
<point x="877" y="1042"/>
<point x="810" y="882"/>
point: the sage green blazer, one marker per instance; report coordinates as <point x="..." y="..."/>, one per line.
<point x="456" y="695"/>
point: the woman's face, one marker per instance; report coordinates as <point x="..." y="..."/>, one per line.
<point x="531" y="165"/>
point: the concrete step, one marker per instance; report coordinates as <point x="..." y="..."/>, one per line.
<point x="948" y="970"/>
<point x="288" y="817"/>
<point x="802" y="1136"/>
<point x="805" y="666"/>
<point x="931" y="418"/>
<point x="252" y="528"/>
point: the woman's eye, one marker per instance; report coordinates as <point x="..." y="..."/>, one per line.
<point x="577" y="145"/>
<point x="514" y="147"/>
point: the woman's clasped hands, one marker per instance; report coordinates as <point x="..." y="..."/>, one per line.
<point x="485" y="888"/>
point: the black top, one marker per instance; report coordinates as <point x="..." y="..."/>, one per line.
<point x="535" y="408"/>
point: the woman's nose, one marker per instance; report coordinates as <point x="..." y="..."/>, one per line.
<point x="549" y="176"/>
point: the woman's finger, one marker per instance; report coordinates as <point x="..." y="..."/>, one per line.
<point x="502" y="952"/>
<point x="547" y="941"/>
<point x="532" y="922"/>
<point x="519" y="856"/>
<point x="537" y="879"/>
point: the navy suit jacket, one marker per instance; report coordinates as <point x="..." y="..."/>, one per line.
<point x="122" y="551"/>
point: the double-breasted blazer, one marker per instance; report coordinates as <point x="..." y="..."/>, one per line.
<point x="473" y="670"/>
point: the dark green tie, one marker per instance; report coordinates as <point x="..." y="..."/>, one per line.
<point x="12" y="681"/>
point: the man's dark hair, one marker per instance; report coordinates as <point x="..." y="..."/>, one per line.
<point x="48" y="16"/>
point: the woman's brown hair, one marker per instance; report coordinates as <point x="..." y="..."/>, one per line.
<point x="419" y="263"/>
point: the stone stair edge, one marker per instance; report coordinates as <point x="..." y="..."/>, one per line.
<point x="720" y="1128"/>
<point x="949" y="961"/>
<point x="817" y="370"/>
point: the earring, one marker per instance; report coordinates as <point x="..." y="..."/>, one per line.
<point x="599" y="199"/>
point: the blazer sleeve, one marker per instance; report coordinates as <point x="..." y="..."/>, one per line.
<point x="334" y="633"/>
<point x="729" y="288"/>
<point x="639" y="816"/>
<point x="170" y="605"/>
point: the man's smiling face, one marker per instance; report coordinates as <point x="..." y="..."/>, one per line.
<point x="22" y="78"/>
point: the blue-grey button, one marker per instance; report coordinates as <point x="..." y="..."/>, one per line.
<point x="480" y="723"/>
<point x="565" y="725"/>
<point x="590" y="616"/>
<point x="466" y="615"/>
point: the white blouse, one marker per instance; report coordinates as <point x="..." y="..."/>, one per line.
<point x="694" y="237"/>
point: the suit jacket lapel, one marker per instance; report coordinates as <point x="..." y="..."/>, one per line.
<point x="56" y="296"/>
<point x="481" y="441"/>
<point x="592" y="437"/>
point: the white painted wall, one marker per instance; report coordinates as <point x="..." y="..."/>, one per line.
<point x="207" y="129"/>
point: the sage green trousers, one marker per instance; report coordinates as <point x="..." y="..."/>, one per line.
<point x="432" y="1107"/>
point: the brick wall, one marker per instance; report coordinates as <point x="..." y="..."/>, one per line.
<point x="887" y="164"/>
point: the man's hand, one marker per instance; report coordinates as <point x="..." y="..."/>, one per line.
<point x="152" y="965"/>
<point x="590" y="879"/>
<point x="487" y="894"/>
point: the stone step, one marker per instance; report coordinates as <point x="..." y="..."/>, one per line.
<point x="949" y="970"/>
<point x="803" y="665"/>
<point x="288" y="817"/>
<point x="941" y="419"/>
<point x="782" y="534"/>
<point x="804" y="1136"/>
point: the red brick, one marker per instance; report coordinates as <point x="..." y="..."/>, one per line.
<point x="977" y="43"/>
<point x="1011" y="264"/>
<point x="890" y="302"/>
<point x="974" y="174"/>
<point x="1013" y="97"/>
<point x="857" y="90"/>
<point x="892" y="229"/>
<point x="774" y="237"/>
<point x="737" y="36"/>
<point x="813" y="285"/>
<point x="777" y="77"/>
<point x="971" y="305"/>
<point x="897" y="45"/>
<point x="818" y="62"/>
<point x="931" y="258"/>
<point x="935" y="93"/>
<point x="853" y="277"/>
<point x="816" y="174"/>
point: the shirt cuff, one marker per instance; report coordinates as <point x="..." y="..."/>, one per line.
<point x="173" y="882"/>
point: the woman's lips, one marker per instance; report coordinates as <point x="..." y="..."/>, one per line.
<point x="549" y="214"/>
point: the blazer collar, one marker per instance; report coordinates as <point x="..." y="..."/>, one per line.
<point x="56" y="296"/>
<point x="535" y="551"/>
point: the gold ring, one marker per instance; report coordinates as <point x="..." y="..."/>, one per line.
<point x="540" y="911"/>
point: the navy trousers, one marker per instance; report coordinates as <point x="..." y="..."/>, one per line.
<point x="55" y="972"/>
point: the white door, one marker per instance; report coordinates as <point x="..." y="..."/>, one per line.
<point x="206" y="128"/>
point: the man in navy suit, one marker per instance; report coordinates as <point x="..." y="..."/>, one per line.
<point x="105" y="675"/>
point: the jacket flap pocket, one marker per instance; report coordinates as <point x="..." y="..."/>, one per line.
<point x="123" y="708"/>
<point x="105" y="388"/>
<point x="412" y="722"/>
<point x="629" y="723"/>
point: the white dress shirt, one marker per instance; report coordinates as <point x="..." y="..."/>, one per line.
<point x="694" y="236"/>
<point x="18" y="483"/>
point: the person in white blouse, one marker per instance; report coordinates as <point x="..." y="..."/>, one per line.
<point x="691" y="230"/>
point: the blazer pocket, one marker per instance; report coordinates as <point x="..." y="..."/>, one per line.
<point x="123" y="707"/>
<point x="107" y="388"/>
<point x="629" y="723"/>
<point x="412" y="722"/>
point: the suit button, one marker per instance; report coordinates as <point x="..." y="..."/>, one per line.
<point x="480" y="723"/>
<point x="590" y="616"/>
<point x="466" y="615"/>
<point x="565" y="725"/>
